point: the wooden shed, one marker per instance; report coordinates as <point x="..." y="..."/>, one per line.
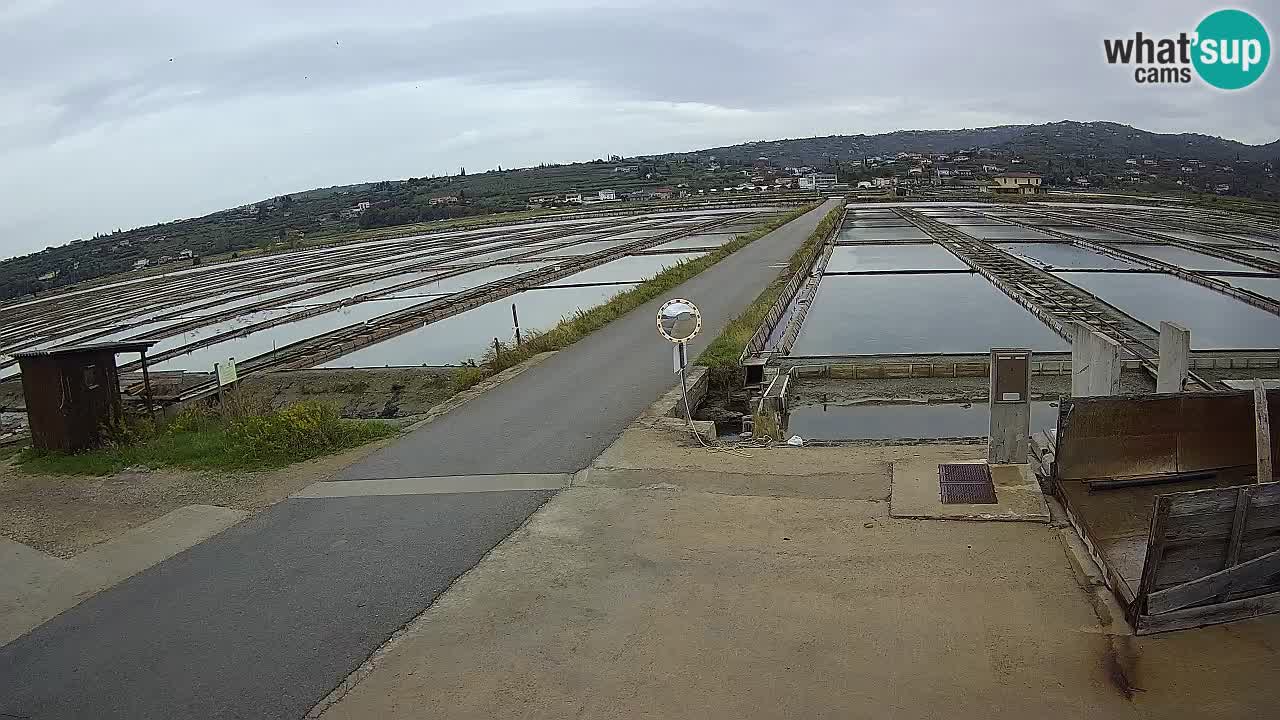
<point x="73" y="392"/>
<point x="1175" y="498"/>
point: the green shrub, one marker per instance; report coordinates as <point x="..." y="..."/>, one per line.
<point x="201" y="437"/>
<point x="300" y="431"/>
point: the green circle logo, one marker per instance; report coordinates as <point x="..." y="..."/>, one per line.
<point x="1232" y="49"/>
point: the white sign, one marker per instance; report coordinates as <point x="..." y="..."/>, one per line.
<point x="226" y="372"/>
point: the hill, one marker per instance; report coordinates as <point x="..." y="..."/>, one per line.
<point x="1067" y="137"/>
<point x="1076" y="153"/>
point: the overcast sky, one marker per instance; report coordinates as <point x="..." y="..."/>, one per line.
<point x="130" y="112"/>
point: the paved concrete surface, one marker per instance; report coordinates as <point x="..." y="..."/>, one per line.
<point x="559" y="415"/>
<point x="916" y="494"/>
<point x="438" y="484"/>
<point x="35" y="586"/>
<point x="668" y="602"/>
<point x="262" y="620"/>
<point x="859" y="472"/>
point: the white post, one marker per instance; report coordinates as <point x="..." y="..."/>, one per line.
<point x="1095" y="363"/>
<point x="1175" y="358"/>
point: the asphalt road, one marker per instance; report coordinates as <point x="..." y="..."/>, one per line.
<point x="558" y="416"/>
<point x="264" y="619"/>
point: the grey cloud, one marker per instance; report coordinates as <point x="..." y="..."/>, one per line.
<point x="91" y="83"/>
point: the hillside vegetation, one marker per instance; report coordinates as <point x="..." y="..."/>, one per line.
<point x="1098" y="153"/>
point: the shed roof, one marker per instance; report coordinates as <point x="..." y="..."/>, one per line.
<point x="123" y="346"/>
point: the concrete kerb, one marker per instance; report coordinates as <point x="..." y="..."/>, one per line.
<point x="476" y="391"/>
<point x="667" y="412"/>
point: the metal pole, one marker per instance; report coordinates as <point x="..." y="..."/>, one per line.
<point x="515" y="319"/>
<point x="146" y="385"/>
<point x="684" y="388"/>
<point x="217" y="378"/>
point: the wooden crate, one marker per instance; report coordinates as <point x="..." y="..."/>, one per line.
<point x="1163" y="490"/>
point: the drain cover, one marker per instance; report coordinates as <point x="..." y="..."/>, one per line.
<point x="966" y="484"/>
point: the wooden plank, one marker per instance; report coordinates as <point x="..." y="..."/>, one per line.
<point x="1218" y="525"/>
<point x="1237" y="526"/>
<point x="1256" y="573"/>
<point x="1262" y="426"/>
<point x="1208" y="614"/>
<point x="1156" y="479"/>
<point x="1215" y="431"/>
<point x="1221" y="499"/>
<point x="1186" y="561"/>
<point x="1258" y="544"/>
<point x="1155" y="550"/>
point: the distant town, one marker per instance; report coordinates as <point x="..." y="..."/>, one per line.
<point x="1006" y="160"/>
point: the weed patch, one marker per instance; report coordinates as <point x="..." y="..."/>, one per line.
<point x="200" y="438"/>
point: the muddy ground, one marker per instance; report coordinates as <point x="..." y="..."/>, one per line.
<point x="813" y="391"/>
<point x="726" y="408"/>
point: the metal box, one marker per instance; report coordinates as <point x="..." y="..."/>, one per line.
<point x="1010" y="376"/>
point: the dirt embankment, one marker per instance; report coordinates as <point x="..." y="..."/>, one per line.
<point x="365" y="393"/>
<point x="64" y="515"/>
<point x="11" y="397"/>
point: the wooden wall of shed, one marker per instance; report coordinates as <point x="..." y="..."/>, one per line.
<point x="71" y="399"/>
<point x="42" y="390"/>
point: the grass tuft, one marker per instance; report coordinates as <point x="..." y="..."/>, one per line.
<point x="722" y="355"/>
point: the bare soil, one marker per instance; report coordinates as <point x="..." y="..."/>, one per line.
<point x="64" y="515"/>
<point x="364" y="393"/>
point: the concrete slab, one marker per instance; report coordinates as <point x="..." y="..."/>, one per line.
<point x="22" y="567"/>
<point x="1249" y="384"/>
<point x="915" y="495"/>
<point x="156" y="541"/>
<point x="35" y="589"/>
<point x="434" y="485"/>
<point x="644" y="446"/>
<point x="861" y="483"/>
<point x="626" y="603"/>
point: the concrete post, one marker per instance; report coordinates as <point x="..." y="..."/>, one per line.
<point x="1010" y="405"/>
<point x="1095" y="363"/>
<point x="1175" y="358"/>
<point x="769" y="418"/>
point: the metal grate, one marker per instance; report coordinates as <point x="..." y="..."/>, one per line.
<point x="966" y="484"/>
